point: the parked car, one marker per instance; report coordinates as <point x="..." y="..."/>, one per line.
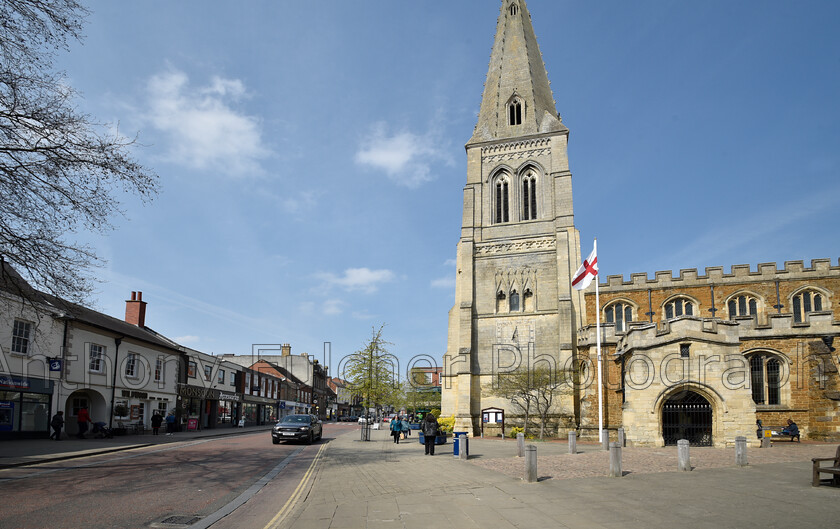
<point x="349" y="418"/>
<point x="297" y="428"/>
<point x="362" y="420"/>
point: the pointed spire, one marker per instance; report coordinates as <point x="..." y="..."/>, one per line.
<point x="517" y="98"/>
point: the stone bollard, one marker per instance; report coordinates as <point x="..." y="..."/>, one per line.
<point x="615" y="460"/>
<point x="573" y="442"/>
<point x="520" y="444"/>
<point x="605" y="439"/>
<point x="765" y="439"/>
<point x="683" y="457"/>
<point x="621" y="439"/>
<point x="462" y="447"/>
<point x="741" y="451"/>
<point x="531" y="464"/>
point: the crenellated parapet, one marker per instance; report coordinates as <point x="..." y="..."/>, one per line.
<point x="644" y="335"/>
<point x="742" y="273"/>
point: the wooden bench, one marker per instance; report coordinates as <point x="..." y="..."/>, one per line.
<point x="776" y="433"/>
<point x="834" y="469"/>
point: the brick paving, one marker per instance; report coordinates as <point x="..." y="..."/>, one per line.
<point x="594" y="462"/>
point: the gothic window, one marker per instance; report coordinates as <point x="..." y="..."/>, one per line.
<point x="501" y="211"/>
<point x="514" y="301"/>
<point x="742" y="306"/>
<point x="515" y="112"/>
<point x="528" y="300"/>
<point x="678" y="307"/>
<point x="805" y="302"/>
<point x="529" y="196"/>
<point x="620" y="314"/>
<point x="513" y="9"/>
<point x="500" y="301"/>
<point x="765" y="377"/>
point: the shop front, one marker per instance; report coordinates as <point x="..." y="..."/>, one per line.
<point x="259" y="410"/>
<point x="25" y="405"/>
<point x="206" y="408"/>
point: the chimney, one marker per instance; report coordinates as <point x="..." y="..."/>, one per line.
<point x="135" y="310"/>
<point x="285" y="350"/>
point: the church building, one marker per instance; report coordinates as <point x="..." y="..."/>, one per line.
<point x="689" y="356"/>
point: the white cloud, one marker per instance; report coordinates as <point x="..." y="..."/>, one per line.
<point x="450" y="262"/>
<point x="333" y="306"/>
<point x="363" y="279"/>
<point x="444" y="282"/>
<point x="183" y="340"/>
<point x="404" y="156"/>
<point x="202" y="128"/>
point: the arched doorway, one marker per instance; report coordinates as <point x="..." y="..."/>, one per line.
<point x="687" y="415"/>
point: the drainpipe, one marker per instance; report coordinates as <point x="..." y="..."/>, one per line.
<point x="117" y="341"/>
<point x="778" y="306"/>
<point x="649" y="313"/>
<point x="713" y="310"/>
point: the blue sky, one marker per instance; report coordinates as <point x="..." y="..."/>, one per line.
<point x="312" y="164"/>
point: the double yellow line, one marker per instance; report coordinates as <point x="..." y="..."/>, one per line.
<point x="287" y="507"/>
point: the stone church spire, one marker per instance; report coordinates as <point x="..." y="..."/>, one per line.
<point x="517" y="98"/>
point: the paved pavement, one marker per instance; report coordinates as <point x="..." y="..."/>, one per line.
<point x="24" y="452"/>
<point x="381" y="484"/>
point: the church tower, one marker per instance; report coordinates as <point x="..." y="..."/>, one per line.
<point x="514" y="305"/>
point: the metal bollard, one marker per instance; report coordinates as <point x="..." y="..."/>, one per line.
<point x="462" y="447"/>
<point x="615" y="460"/>
<point x="520" y="444"/>
<point x="765" y="439"/>
<point x="605" y="439"/>
<point x="741" y="451"/>
<point x="683" y="457"/>
<point x="573" y="442"/>
<point x="531" y="463"/>
<point x="621" y="439"/>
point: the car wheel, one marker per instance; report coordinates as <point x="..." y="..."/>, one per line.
<point x="274" y="440"/>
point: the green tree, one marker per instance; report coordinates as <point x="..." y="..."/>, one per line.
<point x="534" y="391"/>
<point x="372" y="372"/>
<point x="60" y="170"/>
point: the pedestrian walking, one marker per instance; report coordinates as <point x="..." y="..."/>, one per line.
<point x="170" y="423"/>
<point x="406" y="429"/>
<point x="430" y="429"/>
<point x="157" y="420"/>
<point x="82" y="420"/>
<point x="57" y="423"/>
<point x="396" y="429"/>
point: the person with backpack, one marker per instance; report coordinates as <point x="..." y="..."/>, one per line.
<point x="430" y="429"/>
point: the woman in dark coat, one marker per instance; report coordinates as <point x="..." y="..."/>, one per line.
<point x="430" y="429"/>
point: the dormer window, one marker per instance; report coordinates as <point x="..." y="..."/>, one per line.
<point x="515" y="111"/>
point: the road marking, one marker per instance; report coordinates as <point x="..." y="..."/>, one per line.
<point x="281" y="515"/>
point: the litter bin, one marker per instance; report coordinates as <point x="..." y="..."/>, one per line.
<point x="456" y="448"/>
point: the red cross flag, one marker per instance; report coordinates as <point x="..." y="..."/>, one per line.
<point x="587" y="271"/>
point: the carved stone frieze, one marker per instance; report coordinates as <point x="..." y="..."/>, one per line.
<point x="519" y="246"/>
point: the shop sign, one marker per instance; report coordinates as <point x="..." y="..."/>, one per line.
<point x="135" y="394"/>
<point x="230" y="396"/>
<point x="14" y="382"/>
<point x="192" y="424"/>
<point x="198" y="392"/>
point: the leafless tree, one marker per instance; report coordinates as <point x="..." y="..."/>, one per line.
<point x="533" y="391"/>
<point x="60" y="170"/>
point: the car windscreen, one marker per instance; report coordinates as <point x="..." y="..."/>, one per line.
<point x="297" y="419"/>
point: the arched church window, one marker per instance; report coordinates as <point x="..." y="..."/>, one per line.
<point x="513" y="9"/>
<point x="679" y="307"/>
<point x="620" y="314"/>
<point x="515" y="112"/>
<point x="529" y="196"/>
<point x="514" y="301"/>
<point x="502" y="192"/>
<point x="805" y="302"/>
<point x="742" y="306"/>
<point x="765" y="378"/>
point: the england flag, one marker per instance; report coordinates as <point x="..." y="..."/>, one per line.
<point x="587" y="271"/>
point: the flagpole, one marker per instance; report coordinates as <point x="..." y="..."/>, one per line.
<point x="598" y="349"/>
